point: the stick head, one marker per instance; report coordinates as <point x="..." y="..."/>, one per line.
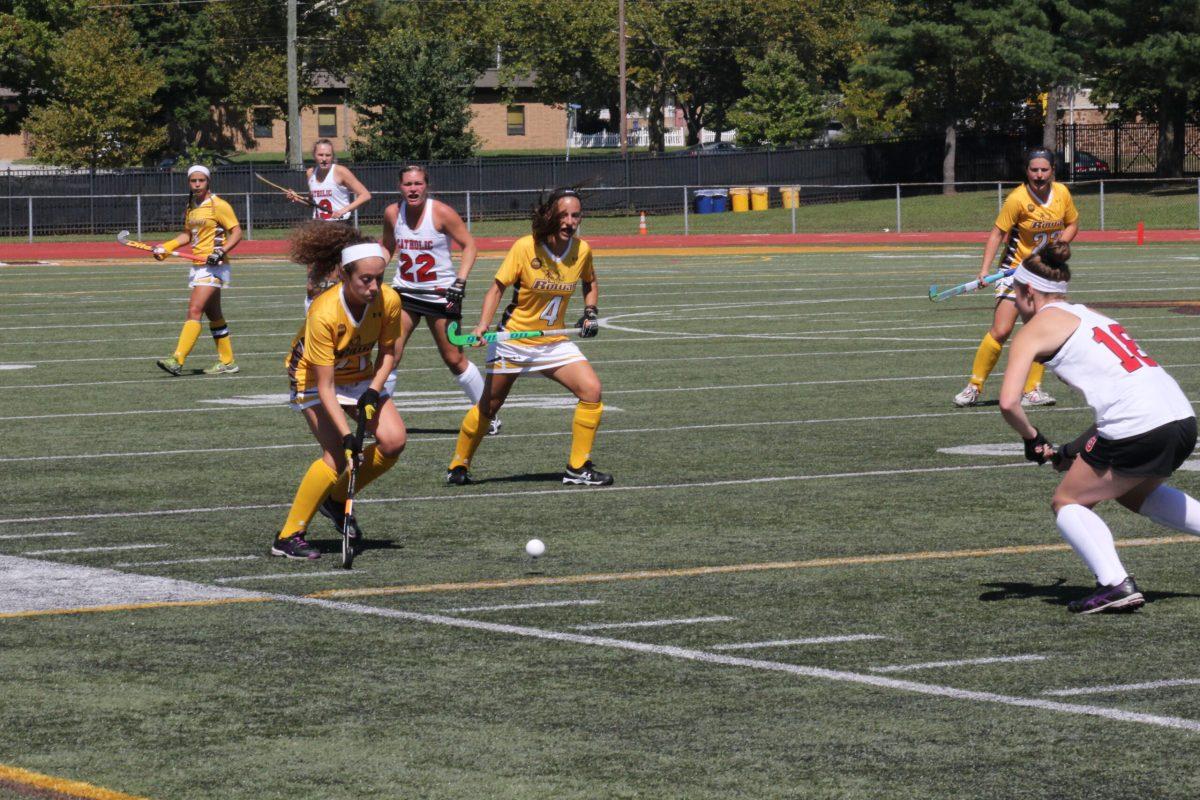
<point x="932" y="291"/>
<point x="123" y="237"/>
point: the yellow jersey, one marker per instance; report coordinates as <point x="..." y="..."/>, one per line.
<point x="332" y="337"/>
<point x="542" y="286"/>
<point x="1030" y="223"/>
<point x="208" y="223"/>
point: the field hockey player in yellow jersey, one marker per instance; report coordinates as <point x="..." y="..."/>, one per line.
<point x="1037" y="212"/>
<point x="543" y="269"/>
<point x="213" y="230"/>
<point x="334" y="374"/>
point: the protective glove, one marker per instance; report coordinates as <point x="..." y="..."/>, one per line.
<point x="160" y="252"/>
<point x="215" y="257"/>
<point x="457" y="291"/>
<point x="589" y="324"/>
<point x="368" y="404"/>
<point x="1033" y="447"/>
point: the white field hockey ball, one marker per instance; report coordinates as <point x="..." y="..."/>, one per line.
<point x="535" y="547"/>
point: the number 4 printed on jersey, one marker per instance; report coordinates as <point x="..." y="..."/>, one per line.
<point x="1123" y="347"/>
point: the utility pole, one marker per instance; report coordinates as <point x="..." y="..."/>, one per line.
<point x="621" y="72"/>
<point x="295" y="157"/>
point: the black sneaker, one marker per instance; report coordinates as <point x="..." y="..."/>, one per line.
<point x="335" y="512"/>
<point x="1122" y="597"/>
<point x="587" y="475"/>
<point x="458" y="476"/>
<point x="294" y="547"/>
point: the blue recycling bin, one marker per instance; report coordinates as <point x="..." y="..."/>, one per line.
<point x="719" y="197"/>
<point x="704" y="202"/>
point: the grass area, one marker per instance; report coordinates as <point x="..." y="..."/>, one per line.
<point x="781" y="449"/>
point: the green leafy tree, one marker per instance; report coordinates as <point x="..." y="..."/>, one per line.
<point x="413" y="97"/>
<point x="781" y="106"/>
<point x="101" y="100"/>
<point x="28" y="31"/>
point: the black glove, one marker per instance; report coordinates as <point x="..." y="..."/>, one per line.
<point x="1063" y="458"/>
<point x="589" y="324"/>
<point x="1033" y="447"/>
<point x="215" y="257"/>
<point x="368" y="403"/>
<point x="457" y="291"/>
<point x="350" y="447"/>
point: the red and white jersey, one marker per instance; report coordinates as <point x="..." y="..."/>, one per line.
<point x="422" y="256"/>
<point x="328" y="194"/>
<point x="1126" y="388"/>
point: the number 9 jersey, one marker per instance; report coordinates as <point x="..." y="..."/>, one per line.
<point x="542" y="286"/>
<point x="422" y="256"/>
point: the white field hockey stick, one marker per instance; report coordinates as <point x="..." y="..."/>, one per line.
<point x="466" y="339"/>
<point x="123" y="238"/>
<point x="287" y="191"/>
<point x="969" y="286"/>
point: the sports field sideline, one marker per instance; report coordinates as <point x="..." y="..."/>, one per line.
<point x="814" y="577"/>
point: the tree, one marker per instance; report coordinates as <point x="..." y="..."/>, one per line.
<point x="413" y="97"/>
<point x="781" y="106"/>
<point x="28" y="31"/>
<point x="101" y="100"/>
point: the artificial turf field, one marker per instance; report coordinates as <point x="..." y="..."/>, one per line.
<point x="800" y="585"/>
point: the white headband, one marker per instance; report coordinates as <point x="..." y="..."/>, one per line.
<point x="365" y="250"/>
<point x="1046" y="285"/>
<point x="203" y="170"/>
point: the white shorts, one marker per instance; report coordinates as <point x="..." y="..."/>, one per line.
<point x="346" y="395"/>
<point x="204" y="275"/>
<point x="503" y="357"/>
<point x="1004" y="289"/>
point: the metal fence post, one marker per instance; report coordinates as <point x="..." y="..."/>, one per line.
<point x="795" y="203"/>
<point x="685" y="211"/>
<point x="468" y="211"/>
<point x="139" y="217"/>
<point x="356" y="217"/>
<point x="897" y="208"/>
<point x="31" y="219"/>
<point x="1198" y="202"/>
<point x="1101" y="205"/>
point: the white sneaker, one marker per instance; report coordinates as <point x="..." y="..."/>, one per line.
<point x="494" y="427"/>
<point x="968" y="396"/>
<point x="1037" y="398"/>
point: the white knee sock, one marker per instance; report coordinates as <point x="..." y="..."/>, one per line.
<point x="1092" y="540"/>
<point x="1168" y="506"/>
<point x="471" y="382"/>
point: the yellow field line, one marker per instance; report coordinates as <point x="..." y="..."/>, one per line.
<point x="884" y="558"/>
<point x="132" y="607"/>
<point x="61" y="785"/>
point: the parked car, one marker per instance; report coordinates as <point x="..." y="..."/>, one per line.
<point x="182" y="160"/>
<point x="713" y="149"/>
<point x="1087" y="167"/>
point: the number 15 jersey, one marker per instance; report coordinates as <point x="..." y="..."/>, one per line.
<point x="1130" y="393"/>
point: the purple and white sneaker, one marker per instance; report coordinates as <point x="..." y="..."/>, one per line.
<point x="294" y="546"/>
<point x="1122" y="597"/>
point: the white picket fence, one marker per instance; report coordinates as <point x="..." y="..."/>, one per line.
<point x="641" y="138"/>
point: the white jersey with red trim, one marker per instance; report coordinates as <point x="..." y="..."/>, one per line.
<point x="328" y="194"/>
<point x="422" y="256"/>
<point x="1126" y="388"/>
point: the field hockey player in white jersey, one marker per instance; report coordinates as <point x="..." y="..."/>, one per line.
<point x="1145" y="427"/>
<point x="418" y="231"/>
<point x="330" y="186"/>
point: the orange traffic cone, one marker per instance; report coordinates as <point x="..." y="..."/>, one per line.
<point x="642" y="225"/>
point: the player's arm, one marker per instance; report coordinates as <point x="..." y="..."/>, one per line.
<point x="170" y="246"/>
<point x="1021" y="354"/>
<point x="388" y="238"/>
<point x="327" y="391"/>
<point x="995" y="239"/>
<point x="491" y="301"/>
<point x="297" y="197"/>
<point x="346" y="178"/>
<point x="447" y="220"/>
<point x="1069" y="232"/>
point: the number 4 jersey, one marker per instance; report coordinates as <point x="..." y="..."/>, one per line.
<point x="1130" y="393"/>
<point x="422" y="256"/>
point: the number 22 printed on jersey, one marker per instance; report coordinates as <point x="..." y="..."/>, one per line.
<point x="418" y="270"/>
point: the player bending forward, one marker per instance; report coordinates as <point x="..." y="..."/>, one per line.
<point x="1145" y="427"/>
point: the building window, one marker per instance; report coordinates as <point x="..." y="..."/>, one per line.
<point x="264" y="123"/>
<point x="326" y="121"/>
<point x="516" y="120"/>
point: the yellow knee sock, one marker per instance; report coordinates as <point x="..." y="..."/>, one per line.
<point x="985" y="359"/>
<point x="374" y="464"/>
<point x="470" y="434"/>
<point x="187" y="340"/>
<point x="583" y="432"/>
<point x="220" y="334"/>
<point x="1035" y="377"/>
<point x="315" y="484"/>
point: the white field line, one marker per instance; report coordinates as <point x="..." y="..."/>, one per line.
<point x="651" y="623"/>
<point x="853" y="637"/>
<point x="184" y="561"/>
<point x="521" y="606"/>
<point x="594" y="491"/>
<point x="962" y="662"/>
<point x="38" y="535"/>
<point x="283" y="576"/>
<point x="701" y="656"/>
<point x="1123" y="687"/>
<point x="111" y="549"/>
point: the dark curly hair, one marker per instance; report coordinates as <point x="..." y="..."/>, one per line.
<point x="318" y="245"/>
<point x="546" y="215"/>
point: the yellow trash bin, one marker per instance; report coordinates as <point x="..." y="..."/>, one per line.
<point x="791" y="196"/>
<point x="759" y="199"/>
<point x="739" y="198"/>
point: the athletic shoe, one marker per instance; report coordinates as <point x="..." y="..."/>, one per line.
<point x="587" y="475"/>
<point x="1037" y="398"/>
<point x="170" y="365"/>
<point x="458" y="476"/>
<point x="1122" y="597"/>
<point x="221" y="368"/>
<point x="294" y="547"/>
<point x="968" y="396"/>
<point x="335" y="512"/>
<point x="494" y="427"/>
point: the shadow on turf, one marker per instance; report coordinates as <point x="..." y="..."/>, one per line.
<point x="528" y="477"/>
<point x="433" y="430"/>
<point x="327" y="546"/>
<point x="1058" y="593"/>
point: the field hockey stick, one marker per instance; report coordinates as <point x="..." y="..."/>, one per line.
<point x="969" y="286"/>
<point x="348" y="521"/>
<point x="285" y="190"/>
<point x="441" y="292"/>
<point x="465" y="339"/>
<point x="123" y="238"/>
